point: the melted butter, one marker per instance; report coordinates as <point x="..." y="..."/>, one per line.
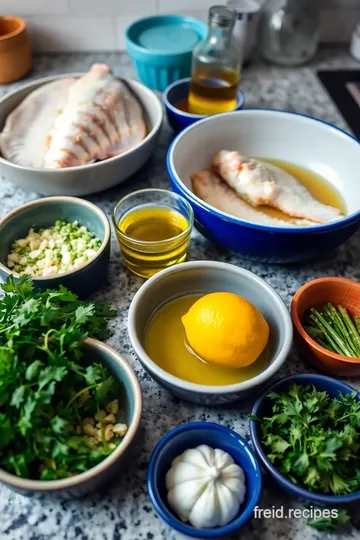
<point x="165" y="343"/>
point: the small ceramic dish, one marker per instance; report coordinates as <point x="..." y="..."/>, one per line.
<point x="43" y="213"/>
<point x="315" y="294"/>
<point x="206" y="277"/>
<point x="147" y="257"/>
<point x="192" y="435"/>
<point x="177" y="93"/>
<point x="130" y="403"/>
<point x="262" y="408"/>
<point x="161" y="47"/>
<point x="15" y="53"/>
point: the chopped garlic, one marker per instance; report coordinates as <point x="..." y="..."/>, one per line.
<point x="56" y="250"/>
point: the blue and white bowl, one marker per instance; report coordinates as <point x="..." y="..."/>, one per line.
<point x="177" y="92"/>
<point x="271" y="134"/>
<point x="192" y="435"/>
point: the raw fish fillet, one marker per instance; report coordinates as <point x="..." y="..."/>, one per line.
<point x="209" y="187"/>
<point x="265" y="184"/>
<point x="26" y="135"/>
<point x="74" y="122"/>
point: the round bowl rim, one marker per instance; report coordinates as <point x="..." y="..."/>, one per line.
<point x="160" y="52"/>
<point x="60" y="199"/>
<point x="300" y="491"/>
<point x="183" y="234"/>
<point x="299" y="327"/>
<point x="263" y="376"/>
<point x="240" y="101"/>
<point x="156" y="104"/>
<point x="185" y="528"/>
<point x="14" y="33"/>
<point x="65" y="483"/>
<point x="237" y="221"/>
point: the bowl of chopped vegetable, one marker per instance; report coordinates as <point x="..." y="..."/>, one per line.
<point x="70" y="405"/>
<point x="326" y="319"/>
<point x="56" y="240"/>
<point x="306" y="431"/>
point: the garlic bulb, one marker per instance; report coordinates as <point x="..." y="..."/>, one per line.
<point x="205" y="487"/>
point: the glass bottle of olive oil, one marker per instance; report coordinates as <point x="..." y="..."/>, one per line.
<point x="216" y="65"/>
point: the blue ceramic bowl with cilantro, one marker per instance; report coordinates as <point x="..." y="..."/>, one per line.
<point x="43" y="213"/>
<point x="64" y="444"/>
<point x="282" y="438"/>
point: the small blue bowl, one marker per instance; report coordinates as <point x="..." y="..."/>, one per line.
<point x="161" y="47"/>
<point x="262" y="408"/>
<point x="178" y="91"/>
<point x="192" y="435"/>
<point x="43" y="213"/>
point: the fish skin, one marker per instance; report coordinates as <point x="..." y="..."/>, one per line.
<point x="266" y="184"/>
<point x="73" y="122"/>
<point x="95" y="123"/>
<point x="209" y="187"/>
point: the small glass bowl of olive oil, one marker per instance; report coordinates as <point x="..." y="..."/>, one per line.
<point x="153" y="227"/>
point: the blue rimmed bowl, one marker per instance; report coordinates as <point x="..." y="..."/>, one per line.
<point x="192" y="435"/>
<point x="178" y="92"/>
<point x="161" y="46"/>
<point x="43" y="213"/>
<point x="263" y="407"/>
<point x="271" y="134"/>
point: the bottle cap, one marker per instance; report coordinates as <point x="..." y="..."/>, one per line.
<point x="222" y="15"/>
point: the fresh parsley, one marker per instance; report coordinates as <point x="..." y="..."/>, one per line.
<point x="313" y="439"/>
<point x="47" y="386"/>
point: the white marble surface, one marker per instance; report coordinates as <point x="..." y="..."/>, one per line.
<point x="124" y="511"/>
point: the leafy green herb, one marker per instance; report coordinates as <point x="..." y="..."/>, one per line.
<point x="334" y="329"/>
<point x="47" y="387"/>
<point x="313" y="439"/>
<point x="330" y="523"/>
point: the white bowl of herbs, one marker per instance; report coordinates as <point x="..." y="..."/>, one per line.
<point x="70" y="405"/>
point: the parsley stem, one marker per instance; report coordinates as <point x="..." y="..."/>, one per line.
<point x="81" y="392"/>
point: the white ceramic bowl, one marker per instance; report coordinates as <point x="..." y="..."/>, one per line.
<point x="206" y="277"/>
<point x="84" y="179"/>
<point x="291" y="137"/>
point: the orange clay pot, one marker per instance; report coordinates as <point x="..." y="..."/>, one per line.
<point x="315" y="294"/>
<point x="15" y="54"/>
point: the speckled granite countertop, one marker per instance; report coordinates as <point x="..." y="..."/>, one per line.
<point x="124" y="511"/>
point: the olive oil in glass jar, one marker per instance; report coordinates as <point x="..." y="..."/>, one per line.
<point x="216" y="65"/>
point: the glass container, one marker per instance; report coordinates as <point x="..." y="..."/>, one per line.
<point x="153" y="227"/>
<point x="216" y="65"/>
<point x="288" y="31"/>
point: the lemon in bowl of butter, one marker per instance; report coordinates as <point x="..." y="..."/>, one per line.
<point x="180" y="357"/>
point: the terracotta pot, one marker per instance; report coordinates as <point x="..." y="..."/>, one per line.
<point x="316" y="293"/>
<point x="15" y="53"/>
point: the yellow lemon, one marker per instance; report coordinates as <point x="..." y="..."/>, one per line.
<point x="224" y="328"/>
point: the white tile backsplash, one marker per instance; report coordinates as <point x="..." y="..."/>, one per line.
<point x="33" y="7"/>
<point x="112" y="7"/>
<point x="90" y="25"/>
<point x="71" y="33"/>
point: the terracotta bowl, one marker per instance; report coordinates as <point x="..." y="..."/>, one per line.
<point x="316" y="293"/>
<point x="15" y="54"/>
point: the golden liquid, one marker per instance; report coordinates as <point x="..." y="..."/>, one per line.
<point x="160" y="227"/>
<point x="165" y="344"/>
<point x="214" y="91"/>
<point x="319" y="188"/>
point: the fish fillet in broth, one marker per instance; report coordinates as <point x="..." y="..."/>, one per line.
<point x="266" y="184"/>
<point x="209" y="187"/>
